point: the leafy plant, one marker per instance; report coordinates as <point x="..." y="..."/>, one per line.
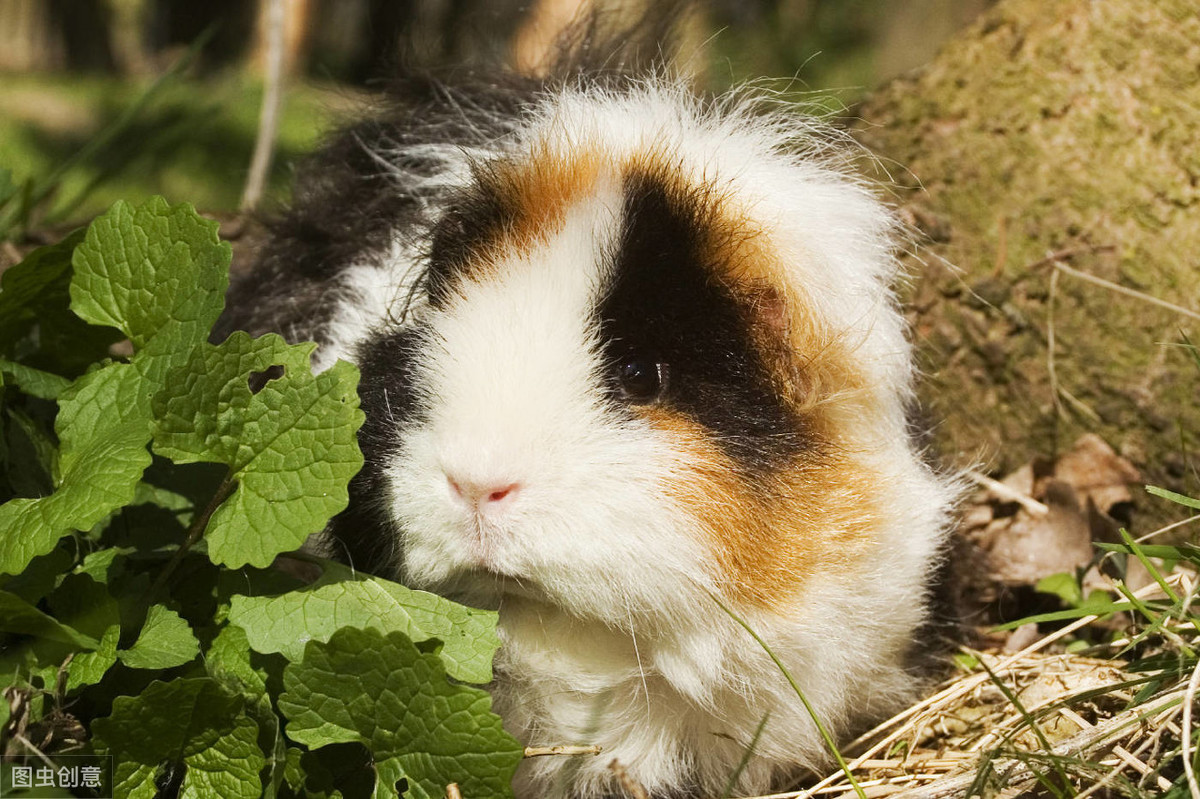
<point x="148" y="501"/>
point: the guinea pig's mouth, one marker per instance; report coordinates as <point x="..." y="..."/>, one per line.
<point x="474" y="565"/>
<point x="483" y="567"/>
<point x="487" y="588"/>
<point x="483" y="547"/>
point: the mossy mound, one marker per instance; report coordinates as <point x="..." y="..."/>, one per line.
<point x="1072" y="128"/>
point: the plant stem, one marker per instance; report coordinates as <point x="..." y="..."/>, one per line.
<point x="268" y="124"/>
<point x="194" y="534"/>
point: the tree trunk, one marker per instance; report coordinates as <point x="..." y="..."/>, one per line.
<point x="1056" y="135"/>
<point x="127" y="36"/>
<point x="28" y="39"/>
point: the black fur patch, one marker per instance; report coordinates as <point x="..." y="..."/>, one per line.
<point x="363" y="534"/>
<point x="475" y="219"/>
<point x="666" y="300"/>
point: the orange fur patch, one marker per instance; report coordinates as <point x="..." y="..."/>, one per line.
<point x="770" y="533"/>
<point x="539" y="190"/>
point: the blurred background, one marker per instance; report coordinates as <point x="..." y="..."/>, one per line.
<point x="108" y="99"/>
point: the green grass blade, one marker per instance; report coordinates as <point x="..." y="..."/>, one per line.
<point x="1087" y="609"/>
<point x="1188" y="552"/>
<point x="731" y="783"/>
<point x="1140" y="553"/>
<point x="1179" y="499"/>
<point x="829" y="742"/>
<point x="1191" y="348"/>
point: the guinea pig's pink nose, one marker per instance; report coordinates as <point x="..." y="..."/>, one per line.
<point x="486" y="496"/>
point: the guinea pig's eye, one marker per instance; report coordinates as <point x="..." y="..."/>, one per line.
<point x="641" y="378"/>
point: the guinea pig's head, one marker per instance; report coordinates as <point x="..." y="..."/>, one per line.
<point x="658" y="358"/>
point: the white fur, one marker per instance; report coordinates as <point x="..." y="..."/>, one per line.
<point x="611" y="633"/>
<point x="367" y="294"/>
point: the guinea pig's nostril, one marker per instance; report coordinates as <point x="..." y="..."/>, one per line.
<point x="484" y="495"/>
<point x="501" y="493"/>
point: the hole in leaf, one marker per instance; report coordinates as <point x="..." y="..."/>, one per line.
<point x="169" y="779"/>
<point x="259" y="380"/>
<point x="348" y="768"/>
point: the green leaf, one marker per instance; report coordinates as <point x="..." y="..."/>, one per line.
<point x="102" y="564"/>
<point x="28" y="289"/>
<point x="34" y="295"/>
<point x="228" y="770"/>
<point x="156" y="272"/>
<point x="84" y="604"/>
<point x="293" y="771"/>
<point x="165" y="498"/>
<point x="32" y="457"/>
<point x="228" y="660"/>
<point x="33" y="382"/>
<point x="159" y="274"/>
<point x="334" y="772"/>
<point x="107" y="404"/>
<point x="284" y="623"/>
<point x="18" y="616"/>
<point x="290" y="447"/>
<point x="165" y="641"/>
<point x="1062" y="585"/>
<point x="89" y="668"/>
<point x="1078" y="647"/>
<point x="102" y="459"/>
<point x="384" y="693"/>
<point x="189" y="722"/>
<point x="41" y="575"/>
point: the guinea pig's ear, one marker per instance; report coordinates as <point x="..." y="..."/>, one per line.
<point x="770" y="316"/>
<point x="770" y="319"/>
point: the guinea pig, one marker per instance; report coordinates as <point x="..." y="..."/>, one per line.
<point x="631" y="364"/>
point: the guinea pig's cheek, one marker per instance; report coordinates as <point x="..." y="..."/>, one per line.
<point x="721" y="510"/>
<point x="428" y="524"/>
